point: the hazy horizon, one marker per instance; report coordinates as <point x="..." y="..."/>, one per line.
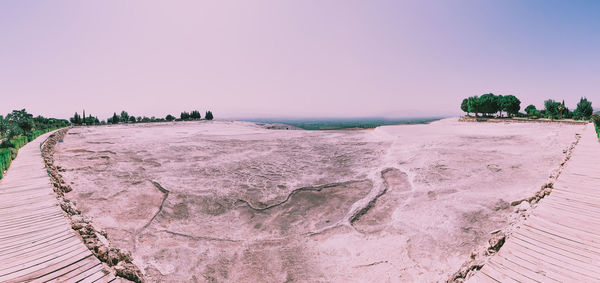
<point x="298" y="59"/>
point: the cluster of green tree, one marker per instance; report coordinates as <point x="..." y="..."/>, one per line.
<point x="124" y="117"/>
<point x="89" y="120"/>
<point x="489" y="104"/>
<point x="558" y="110"/>
<point x="194" y="115"/>
<point x="19" y="128"/>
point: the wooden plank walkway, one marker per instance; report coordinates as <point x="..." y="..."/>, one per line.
<point x="560" y="242"/>
<point x="37" y="243"/>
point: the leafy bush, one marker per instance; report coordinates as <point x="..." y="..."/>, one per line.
<point x="5" y="160"/>
<point x="19" y="141"/>
<point x="596" y="120"/>
<point x="13" y="153"/>
<point x="6" y="144"/>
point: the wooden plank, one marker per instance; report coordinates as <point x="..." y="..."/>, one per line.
<point x="36" y="240"/>
<point x="75" y="268"/>
<point x="516" y="272"/>
<point x="83" y="275"/>
<point x="33" y="248"/>
<point x="61" y="265"/>
<point x="526" y="258"/>
<point x="20" y="243"/>
<point x="495" y="273"/>
<point x="45" y="253"/>
<point x="566" y="243"/>
<point x="560" y="256"/>
<point x="25" y="273"/>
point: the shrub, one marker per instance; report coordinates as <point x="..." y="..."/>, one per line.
<point x="595" y="118"/>
<point x="6" y="144"/>
<point x="5" y="160"/>
<point x="13" y="153"/>
<point x="19" y="141"/>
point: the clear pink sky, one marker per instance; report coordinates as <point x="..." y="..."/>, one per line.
<point x="293" y="58"/>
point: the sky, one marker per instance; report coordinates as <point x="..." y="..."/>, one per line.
<point x="260" y="59"/>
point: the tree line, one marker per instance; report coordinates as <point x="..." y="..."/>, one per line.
<point x="125" y="118"/>
<point x="21" y="123"/>
<point x="490" y="104"/>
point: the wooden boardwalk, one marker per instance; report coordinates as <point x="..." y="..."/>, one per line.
<point x="37" y="243"/>
<point x="560" y="242"/>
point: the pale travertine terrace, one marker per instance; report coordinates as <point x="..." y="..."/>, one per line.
<point x="231" y="201"/>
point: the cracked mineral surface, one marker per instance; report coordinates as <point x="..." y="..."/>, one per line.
<point x="232" y="201"/>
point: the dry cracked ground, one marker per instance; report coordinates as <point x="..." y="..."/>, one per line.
<point x="224" y="201"/>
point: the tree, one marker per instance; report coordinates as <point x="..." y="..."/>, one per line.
<point x="208" y="115"/>
<point x="170" y="118"/>
<point x="464" y="106"/>
<point x="510" y="104"/>
<point x="195" y="115"/>
<point x="532" y="111"/>
<point x="124" y="117"/>
<point x="14" y="130"/>
<point x="76" y="119"/>
<point x="489" y="103"/>
<point x="115" y="118"/>
<point x="184" y="116"/>
<point x="22" y="119"/>
<point x="132" y="119"/>
<point x="584" y="108"/>
<point x="473" y="105"/>
<point x="551" y="108"/>
<point x="90" y="120"/>
<point x="3" y="126"/>
<point x="530" y="108"/>
<point x="561" y="110"/>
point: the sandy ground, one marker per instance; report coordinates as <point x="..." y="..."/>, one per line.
<point x="231" y="201"/>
